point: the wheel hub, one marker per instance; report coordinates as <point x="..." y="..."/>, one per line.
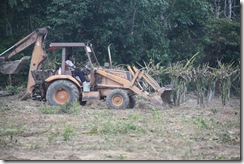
<point x="62" y="96"/>
<point x="117" y="100"/>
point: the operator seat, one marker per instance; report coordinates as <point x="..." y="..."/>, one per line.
<point x="69" y="72"/>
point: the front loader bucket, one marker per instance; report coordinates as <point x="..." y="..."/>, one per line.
<point x="162" y="98"/>
<point x="13" y="67"/>
<point x="166" y="96"/>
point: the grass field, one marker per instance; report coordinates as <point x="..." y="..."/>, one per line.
<point x="32" y="130"/>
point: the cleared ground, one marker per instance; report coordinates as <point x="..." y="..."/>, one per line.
<point x="93" y="132"/>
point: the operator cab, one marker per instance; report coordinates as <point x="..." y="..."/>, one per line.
<point x="79" y="48"/>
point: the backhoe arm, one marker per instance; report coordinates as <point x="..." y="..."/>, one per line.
<point x="38" y="55"/>
<point x="26" y="42"/>
<point x="13" y="67"/>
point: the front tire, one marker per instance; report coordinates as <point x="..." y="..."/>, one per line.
<point x="117" y="99"/>
<point x="61" y="92"/>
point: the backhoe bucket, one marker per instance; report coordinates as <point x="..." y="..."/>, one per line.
<point x="13" y="67"/>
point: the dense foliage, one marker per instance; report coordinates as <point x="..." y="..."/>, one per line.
<point x="164" y="31"/>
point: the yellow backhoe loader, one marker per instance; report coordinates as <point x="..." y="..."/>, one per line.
<point x="59" y="87"/>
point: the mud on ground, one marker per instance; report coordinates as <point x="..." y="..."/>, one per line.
<point x="188" y="132"/>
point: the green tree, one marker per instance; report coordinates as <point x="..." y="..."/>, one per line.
<point x="165" y="31"/>
<point x="222" y="42"/>
<point x="66" y="19"/>
<point x="186" y="21"/>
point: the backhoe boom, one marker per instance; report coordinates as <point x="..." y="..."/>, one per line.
<point x="38" y="55"/>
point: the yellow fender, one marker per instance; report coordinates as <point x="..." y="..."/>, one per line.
<point x="58" y="77"/>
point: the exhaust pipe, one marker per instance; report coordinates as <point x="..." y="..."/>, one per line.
<point x="109" y="55"/>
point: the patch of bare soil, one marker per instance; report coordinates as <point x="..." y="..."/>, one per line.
<point x="188" y="132"/>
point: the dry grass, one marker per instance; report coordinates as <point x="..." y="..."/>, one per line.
<point x="187" y="132"/>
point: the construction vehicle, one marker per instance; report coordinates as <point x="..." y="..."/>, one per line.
<point x="116" y="86"/>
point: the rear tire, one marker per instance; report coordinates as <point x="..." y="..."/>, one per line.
<point x="61" y="92"/>
<point x="117" y="99"/>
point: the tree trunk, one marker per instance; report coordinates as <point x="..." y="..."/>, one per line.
<point x="8" y="27"/>
<point x="217" y="8"/>
<point x="230" y="9"/>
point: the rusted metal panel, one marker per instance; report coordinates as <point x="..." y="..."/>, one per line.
<point x="86" y="96"/>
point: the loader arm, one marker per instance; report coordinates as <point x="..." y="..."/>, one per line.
<point x="135" y="86"/>
<point x="124" y="82"/>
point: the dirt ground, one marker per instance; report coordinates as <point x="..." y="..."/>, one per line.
<point x="94" y="132"/>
